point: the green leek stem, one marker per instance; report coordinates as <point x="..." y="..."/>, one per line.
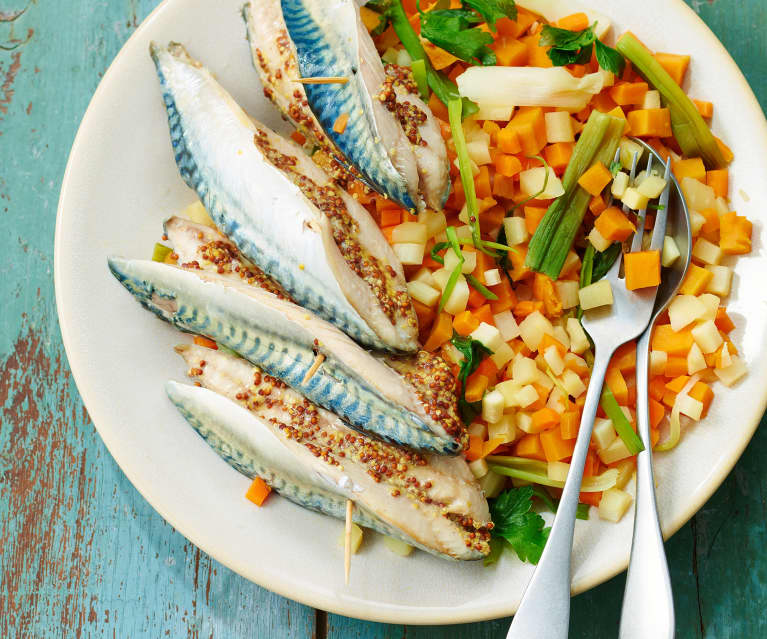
<point x="620" y="423"/>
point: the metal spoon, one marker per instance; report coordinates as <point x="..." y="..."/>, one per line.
<point x="648" y="603"/>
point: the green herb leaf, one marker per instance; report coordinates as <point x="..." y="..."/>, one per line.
<point x="604" y="260"/>
<point x="450" y="30"/>
<point x="492" y="10"/>
<point x="473" y="352"/>
<point x="496" y="550"/>
<point x="575" y="47"/>
<point x="469" y="410"/>
<point x="435" y="252"/>
<point x="517" y="523"/>
<point x="615" y="168"/>
<point x="452" y="239"/>
<point x="609" y="59"/>
<point x="565" y="39"/>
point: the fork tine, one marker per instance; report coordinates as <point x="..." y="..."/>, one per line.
<point x="659" y="230"/>
<point x="636" y="243"/>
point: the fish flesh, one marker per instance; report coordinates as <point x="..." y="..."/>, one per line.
<point x="391" y="137"/>
<point x="438" y="506"/>
<point x="414" y="406"/>
<point x="283" y="211"/>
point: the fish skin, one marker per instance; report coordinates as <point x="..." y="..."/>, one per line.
<point x="284" y="339"/>
<point x="213" y="141"/>
<point x="347" y="458"/>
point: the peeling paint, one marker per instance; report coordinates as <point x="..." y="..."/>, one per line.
<point x="9" y="77"/>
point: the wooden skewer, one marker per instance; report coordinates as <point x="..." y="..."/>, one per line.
<point x="324" y="80"/>
<point x="348" y="540"/>
<point x="315" y="367"/>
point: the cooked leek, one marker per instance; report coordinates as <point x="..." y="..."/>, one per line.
<point x="690" y="130"/>
<point x="620" y="423"/>
<point x="537" y="473"/>
<point x="555" y="234"/>
<point x="161" y="252"/>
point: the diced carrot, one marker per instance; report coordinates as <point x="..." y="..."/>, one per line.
<point x="517" y="258"/>
<point x="440" y="332"/>
<point x="692" y="167"/>
<point x="555" y="448"/>
<point x="489" y="446"/>
<point x="530" y="127"/>
<point x="652" y="123"/>
<point x="625" y="357"/>
<point x="710" y="228"/>
<point x="258" y="491"/>
<point x="597" y="205"/>
<point x="507" y="165"/>
<point x="723" y="321"/>
<point x="547" y="340"/>
<point x="726" y="151"/>
<point x="678" y="383"/>
<point x="642" y="269"/>
<point x="508" y="140"/>
<point x="558" y="155"/>
<point x="391" y="217"/>
<point x="439" y="58"/>
<point x="543" y="290"/>
<point x="614" y="225"/>
<point x="616" y="383"/>
<point x="595" y="179"/>
<point x="697" y="279"/>
<point x="492" y="129"/>
<point x="657" y="387"/>
<point x="527" y="307"/>
<point x="438" y="107"/>
<point x="675" y="65"/>
<point x="298" y="137"/>
<point x="465" y="322"/>
<point x="484" y="314"/>
<point x="719" y="180"/>
<point x="592" y="464"/>
<point x="574" y="22"/>
<point x="675" y="365"/>
<point x="476" y="386"/>
<point x="475" y="449"/>
<point x="425" y="317"/>
<point x="592" y="499"/>
<point x="569" y="424"/>
<point x="628" y="93"/>
<point x="339" y="126"/>
<point x="706" y="109"/>
<point x="387" y="233"/>
<point x="537" y="55"/>
<point x="491" y="219"/>
<point x="674" y="343"/>
<point x="656" y="413"/>
<point x="457" y="197"/>
<point x="476" y="299"/>
<point x="204" y="341"/>
<point x="734" y="234"/>
<point x="504" y="186"/>
<point x="544" y="419"/>
<point x="510" y="52"/>
<point x="507" y="298"/>
<point x="602" y="102"/>
<point x="533" y="217"/>
<point x="703" y="393"/>
<point x="530" y="446"/>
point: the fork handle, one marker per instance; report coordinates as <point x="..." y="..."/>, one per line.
<point x="545" y="609"/>
<point x="648" y="603"/>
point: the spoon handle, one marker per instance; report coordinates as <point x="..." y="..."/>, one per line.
<point x="545" y="609"/>
<point x="648" y="603"/>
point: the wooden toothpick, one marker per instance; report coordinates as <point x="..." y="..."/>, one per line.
<point x="324" y="80"/>
<point x="348" y="540"/>
<point x="314" y="368"/>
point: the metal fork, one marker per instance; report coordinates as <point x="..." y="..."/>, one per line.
<point x="545" y="609"/>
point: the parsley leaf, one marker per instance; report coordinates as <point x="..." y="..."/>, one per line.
<point x="575" y="47"/>
<point x="451" y="30"/>
<point x="492" y="10"/>
<point x="615" y="168"/>
<point x="517" y="523"/>
<point x="473" y="352"/>
<point x="565" y="39"/>
<point x="609" y="59"/>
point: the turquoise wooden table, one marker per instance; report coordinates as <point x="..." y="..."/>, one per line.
<point x="81" y="553"/>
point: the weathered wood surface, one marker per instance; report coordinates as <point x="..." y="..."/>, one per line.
<point x="82" y="554"/>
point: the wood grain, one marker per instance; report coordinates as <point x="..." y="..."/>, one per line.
<point x="82" y="554"/>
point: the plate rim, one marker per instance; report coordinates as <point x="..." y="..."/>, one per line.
<point x="383" y="612"/>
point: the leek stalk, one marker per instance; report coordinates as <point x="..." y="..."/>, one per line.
<point x="620" y="423"/>
<point x="595" y="484"/>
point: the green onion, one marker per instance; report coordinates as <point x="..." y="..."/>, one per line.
<point x="452" y="239"/>
<point x="499" y="247"/>
<point x="418" y="67"/>
<point x="160" y="252"/>
<point x="620" y="423"/>
<point x="439" y="246"/>
<point x="481" y="288"/>
<point x="690" y="130"/>
<point x="554" y="236"/>
<point x="450" y="284"/>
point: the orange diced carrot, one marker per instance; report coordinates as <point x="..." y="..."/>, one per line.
<point x="675" y="365"/>
<point x="438" y="107"/>
<point x="703" y="393"/>
<point x="592" y="499"/>
<point x="476" y="386"/>
<point x="697" y="278"/>
<point x="653" y="123"/>
<point x="642" y="269"/>
<point x="569" y="424"/>
<point x="706" y="109"/>
<point x="508" y="140"/>
<point x="489" y="446"/>
<point x="482" y="183"/>
<point x="258" y="491"/>
<point x="537" y="55"/>
<point x="475" y="449"/>
<point x="574" y="22"/>
<point x="734" y="234"/>
<point x="504" y="187"/>
<point x="510" y="52"/>
<point x="657" y="387"/>
<point x="507" y="165"/>
<point x="628" y="93"/>
<point x="719" y="180"/>
<point x="691" y="167"/>
<point x="533" y="217"/>
<point x="507" y="299"/>
<point x="547" y="341"/>
<point x="558" y="155"/>
<point x="465" y="322"/>
<point x="595" y="179"/>
<point x="723" y="321"/>
<point x="617" y="384"/>
<point x="614" y="225"/>
<point x="440" y="332"/>
<point x="484" y="314"/>
<point x="555" y="448"/>
<point x="529" y="446"/>
<point x="597" y="205"/>
<point x="675" y="65"/>
<point x="544" y="419"/>
<point x="530" y="127"/>
<point x="543" y="290"/>
<point x="656" y="413"/>
<point x="674" y="343"/>
<point x="391" y="217"/>
<point x="204" y="341"/>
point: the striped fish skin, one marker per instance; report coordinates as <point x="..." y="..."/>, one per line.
<point x="229" y="160"/>
<point x="435" y="502"/>
<point x="284" y="340"/>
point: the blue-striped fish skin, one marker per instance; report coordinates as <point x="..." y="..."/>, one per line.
<point x="284" y="340"/>
<point x="271" y="220"/>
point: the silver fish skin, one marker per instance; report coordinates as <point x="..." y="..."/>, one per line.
<point x="285" y="341"/>
<point x="422" y="499"/>
<point x="231" y="161"/>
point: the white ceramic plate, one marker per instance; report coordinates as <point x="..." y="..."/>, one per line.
<point x="121" y="182"/>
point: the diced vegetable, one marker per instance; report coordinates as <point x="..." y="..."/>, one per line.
<point x="684" y="310"/>
<point x="707" y="337"/>
<point x="258" y="491"/>
<point x="642" y="269"/>
<point x="567" y="292"/>
<point x="595" y="179"/>
<point x="516" y="230"/>
<point x="409" y="253"/>
<point x="459" y="297"/>
<point x="620" y="184"/>
<point x="487" y="335"/>
<point x="533" y="328"/>
<point x="595" y="295"/>
<point x="652" y="186"/>
<point x="356" y="539"/>
<point x="603" y="434"/>
<point x="579" y="342"/>
<point x="614" y="504"/>
<point x="721" y="280"/>
<point x="478" y="468"/>
<point x="598" y="241"/>
<point x="540" y="182"/>
<point x="670" y="252"/>
<point x="492" y="407"/>
<point x="732" y="373"/>
<point x="423" y="293"/>
<point x="559" y="127"/>
<point x="397" y="546"/>
<point x="735" y="234"/>
<point x="409" y="232"/>
<point x="613" y="225"/>
<point x="634" y="199"/>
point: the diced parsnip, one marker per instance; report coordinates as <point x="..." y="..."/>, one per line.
<point x="458" y="298"/>
<point x="571" y="261"/>
<point x="557" y="400"/>
<point x="452" y="353"/>
<point x="690" y="406"/>
<point x="628" y="149"/>
<point x="409" y="233"/>
<point x="721" y="206"/>
<point x="711" y="302"/>
<point x="524" y="422"/>
<point x="707" y="252"/>
<point x="502" y="355"/>
<point x="524" y="371"/>
<point x="492" y="484"/>
<point x="508" y="389"/>
<point x="706" y="335"/>
<point x="397" y="546"/>
<point x="696" y="222"/>
<point x="423" y="293"/>
<point x="356" y="538"/>
<point x="699" y="196"/>
<point x="554" y="360"/>
<point x="616" y="451"/>
<point x="504" y="429"/>
<point x="409" y="253"/>
<point x="488" y="335"/>
<point x="579" y="342"/>
<point x="425" y="275"/>
<point x="684" y="310"/>
<point x="557" y="470"/>
<point x="595" y="295"/>
<point x="726" y="358"/>
<point x="670" y="251"/>
<point x="559" y="128"/>
<point x="479" y="152"/>
<point x="492" y="277"/>
<point x="478" y="468"/>
<point x="403" y="58"/>
<point x="620" y="184"/>
<point x="507" y="325"/>
<point x="567" y="292"/>
<point x="652" y="186"/>
<point x="525" y="396"/>
<point x="614" y="504"/>
<point x="533" y="328"/>
<point x="560" y="334"/>
<point x="598" y="241"/>
<point x="477" y="429"/>
<point x="658" y="361"/>
<point x="695" y="360"/>
<point x="516" y="230"/>
<point x="634" y="199"/>
<point x="721" y="282"/>
<point x="604" y="433"/>
<point x="651" y="100"/>
<point x="732" y="373"/>
<point x="495" y="112"/>
<point x="576" y="363"/>
<point x="472" y="164"/>
<point x="435" y="221"/>
<point x="626" y="470"/>
<point x="469" y="261"/>
<point x="573" y="383"/>
<point x="441" y="277"/>
<point x="544" y="380"/>
<point x="197" y="213"/>
<point x="464" y="232"/>
<point x="531" y="182"/>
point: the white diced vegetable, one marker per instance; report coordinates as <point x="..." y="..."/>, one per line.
<point x="706" y="335"/>
<point x="711" y="302"/>
<point x="458" y="299"/>
<point x="707" y="252"/>
<point x="721" y="207"/>
<point x="409" y="233"/>
<point x="652" y="186"/>
<point x="472" y="164"/>
<point x="502" y="355"/>
<point x="732" y="373"/>
<point x="543" y="379"/>
<point x="488" y="335"/>
<point x="409" y="253"/>
<point x="595" y="295"/>
<point x="658" y="361"/>
<point x="496" y="112"/>
<point x="531" y="182"/>
<point x="560" y="334"/>
<point x="516" y="230"/>
<point x="403" y="58"/>
<point x="508" y="389"/>
<point x="469" y="261"/>
<point x="452" y="353"/>
<point x="557" y="470"/>
<point x="505" y="429"/>
<point x="567" y="292"/>
<point x="629" y="148"/>
<point x="726" y="358"/>
<point x="478" y="468"/>
<point x="554" y="360"/>
<point x="492" y="277"/>
<point x="721" y="282"/>
<point x="634" y="199"/>
<point x="604" y="433"/>
<point x="691" y="407"/>
<point x="620" y="184"/>
<point x="435" y="221"/>
<point x="684" y="310"/>
<point x="423" y="293"/>
<point x="524" y="371"/>
<point x="441" y="277"/>
<point x="614" y="504"/>
<point x="524" y="422"/>
<point x="695" y="360"/>
<point x="699" y="196"/>
<point x="477" y="429"/>
<point x="397" y="546"/>
<point x="533" y="328"/>
<point x="198" y="214"/>
<point x="525" y="396"/>
<point x="670" y="251"/>
<point x="571" y="261"/>
<point x="507" y="325"/>
<point x="579" y="342"/>
<point x="651" y="100"/>
<point x="696" y="222"/>
<point x="479" y="152"/>
<point x="598" y="241"/>
<point x="573" y="383"/>
<point x="464" y="232"/>
<point x="616" y="451"/>
<point x="356" y="538"/>
<point x="425" y="275"/>
<point x="492" y="484"/>
<point x="559" y="128"/>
